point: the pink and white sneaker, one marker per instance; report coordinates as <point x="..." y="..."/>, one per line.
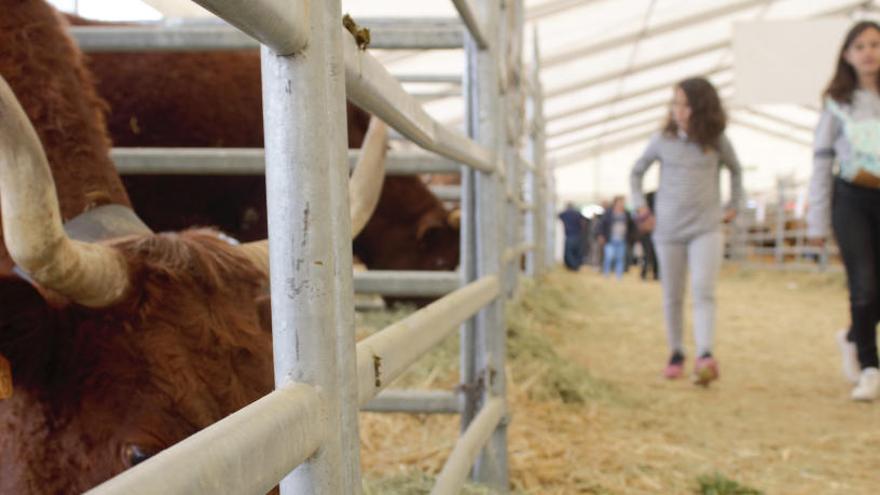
<point x="675" y="368"/>
<point x="705" y="371"/>
<point x="673" y="371"/>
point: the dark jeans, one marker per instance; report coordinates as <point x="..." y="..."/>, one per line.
<point x="855" y="216"/>
<point x="649" y="258"/>
<point x="574" y="252"/>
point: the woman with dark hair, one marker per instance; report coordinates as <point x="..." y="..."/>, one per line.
<point x="687" y="233"/>
<point x="848" y="133"/>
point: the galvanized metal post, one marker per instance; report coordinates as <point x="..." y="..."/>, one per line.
<point x="309" y="243"/>
<point x="780" y="224"/>
<point x="512" y="15"/>
<point x="536" y="260"/>
<point x="485" y="122"/>
<point x="549" y="206"/>
<point x="469" y="384"/>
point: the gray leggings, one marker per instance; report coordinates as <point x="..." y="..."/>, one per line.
<point x="702" y="255"/>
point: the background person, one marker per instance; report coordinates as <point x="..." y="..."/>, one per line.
<point x="691" y="149"/>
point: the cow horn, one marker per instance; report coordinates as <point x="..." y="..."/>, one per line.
<point x="364" y="189"/>
<point x="365" y="185"/>
<point x="93" y="275"/>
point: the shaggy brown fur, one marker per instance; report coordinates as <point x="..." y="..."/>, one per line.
<point x="44" y="69"/>
<point x="185" y="349"/>
<point x="206" y="99"/>
<point x="96" y="390"/>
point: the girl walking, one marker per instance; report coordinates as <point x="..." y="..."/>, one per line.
<point x="848" y="134"/>
<point x="691" y="149"/>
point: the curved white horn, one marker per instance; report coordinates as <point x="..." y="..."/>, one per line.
<point x="365" y="185"/>
<point x="93" y="275"/>
<point x="364" y="189"/>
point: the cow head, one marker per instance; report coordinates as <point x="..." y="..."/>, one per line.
<point x="122" y="347"/>
<point x="118" y="348"/>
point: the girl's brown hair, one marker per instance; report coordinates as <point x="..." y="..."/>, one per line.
<point x="708" y="120"/>
<point x="845" y="80"/>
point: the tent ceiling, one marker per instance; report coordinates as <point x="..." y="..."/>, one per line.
<point x="607" y="66"/>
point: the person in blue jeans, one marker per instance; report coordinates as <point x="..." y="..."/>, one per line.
<point x="616" y="229"/>
<point x="575" y="225"/>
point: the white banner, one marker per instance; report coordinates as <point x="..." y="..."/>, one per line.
<point x="786" y="61"/>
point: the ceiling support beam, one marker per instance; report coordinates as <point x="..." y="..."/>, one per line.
<point x="652" y="64"/>
<point x="665" y="86"/>
<point x="617" y="41"/>
<point x="654" y="120"/>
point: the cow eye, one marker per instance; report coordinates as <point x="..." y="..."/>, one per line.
<point x="135" y="454"/>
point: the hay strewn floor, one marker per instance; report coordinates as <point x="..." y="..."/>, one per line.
<point x="779" y="420"/>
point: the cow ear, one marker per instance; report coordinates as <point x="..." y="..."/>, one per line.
<point x="453" y="219"/>
<point x="426" y="224"/>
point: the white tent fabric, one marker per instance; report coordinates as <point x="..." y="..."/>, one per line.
<point x="608" y="66"/>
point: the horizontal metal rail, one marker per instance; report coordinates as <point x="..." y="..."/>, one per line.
<point x="410" y="34"/>
<point x="374" y="89"/>
<point x="414" y="401"/>
<point x="430" y="78"/>
<point x="798" y="267"/>
<point x="249" y="451"/>
<point x="93" y="39"/>
<point x="468" y="446"/>
<point x="251" y="161"/>
<point x="282" y="25"/>
<point x="385" y="355"/>
<point x="436" y="95"/>
<point x="369" y="84"/>
<point x="447" y="193"/>
<point x="406" y="283"/>
<point x="512" y="254"/>
<point x="414" y="33"/>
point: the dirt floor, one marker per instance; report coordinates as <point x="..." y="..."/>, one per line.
<point x="591" y="413"/>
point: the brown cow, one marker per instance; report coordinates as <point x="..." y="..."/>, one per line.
<point x="205" y="99"/>
<point x="121" y="347"/>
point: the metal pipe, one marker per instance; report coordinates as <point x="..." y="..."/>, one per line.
<point x="305" y="175"/>
<point x="476" y="30"/>
<point x="251" y="161"/>
<point x="406" y="283"/>
<point x="485" y="113"/>
<point x="468" y="446"/>
<point x="415" y="33"/>
<point x="414" y="401"/>
<point x="383" y="356"/>
<point x="375" y="90"/>
<point x="536" y="261"/>
<point x="430" y="78"/>
<point x="282" y="25"/>
<point x="511" y="254"/>
<point x="92" y="39"/>
<point x="446" y="193"/>
<point x="401" y="34"/>
<point x="249" y="451"/>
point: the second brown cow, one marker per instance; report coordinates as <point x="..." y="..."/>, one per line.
<point x="213" y="99"/>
